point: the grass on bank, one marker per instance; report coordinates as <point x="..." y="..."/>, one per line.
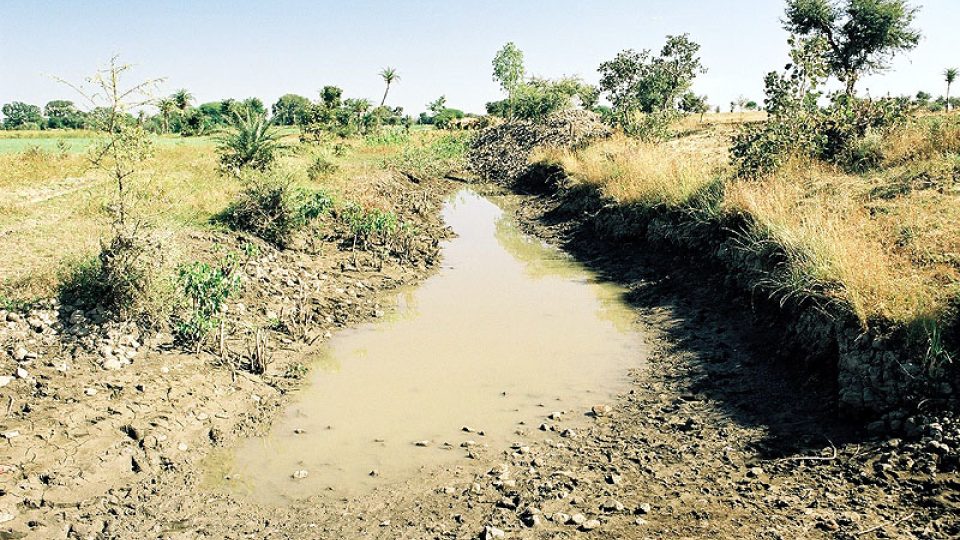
<point x="886" y="243"/>
<point x="53" y="210"/>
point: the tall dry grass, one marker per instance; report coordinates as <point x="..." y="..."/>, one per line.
<point x="631" y="171"/>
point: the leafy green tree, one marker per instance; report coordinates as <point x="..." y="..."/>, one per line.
<point x="922" y="99"/>
<point x="289" y="109"/>
<point x="862" y="35"/>
<point x="214" y="113"/>
<point x="63" y="114"/>
<point x="331" y="96"/>
<point x="438" y="105"/>
<point x="949" y="75"/>
<point x="640" y="82"/>
<point x="508" y="67"/>
<point x="389" y="76"/>
<point x="20" y="115"/>
<point x="537" y="98"/>
<point x="691" y="103"/>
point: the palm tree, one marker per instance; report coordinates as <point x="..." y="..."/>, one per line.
<point x="166" y="106"/>
<point x="389" y="75"/>
<point x="182" y="99"/>
<point x="949" y="75"/>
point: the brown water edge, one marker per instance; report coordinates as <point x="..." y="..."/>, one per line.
<point x="507" y="332"/>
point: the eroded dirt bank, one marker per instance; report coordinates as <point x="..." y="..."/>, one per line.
<point x="711" y="441"/>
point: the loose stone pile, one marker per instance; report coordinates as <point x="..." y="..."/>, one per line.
<point x="501" y="153"/>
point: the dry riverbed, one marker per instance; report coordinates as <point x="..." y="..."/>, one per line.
<point x="708" y="439"/>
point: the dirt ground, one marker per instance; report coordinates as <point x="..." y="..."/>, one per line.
<point x="718" y="437"/>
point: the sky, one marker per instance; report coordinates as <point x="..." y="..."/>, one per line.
<point x="218" y="49"/>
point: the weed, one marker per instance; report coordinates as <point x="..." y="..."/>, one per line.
<point x="273" y="208"/>
<point x="369" y="227"/>
<point x="250" y="142"/>
<point x="206" y="289"/>
<point x="438" y="157"/>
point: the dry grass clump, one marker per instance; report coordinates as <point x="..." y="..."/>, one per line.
<point x="836" y="246"/>
<point x="922" y="138"/>
<point x="632" y="171"/>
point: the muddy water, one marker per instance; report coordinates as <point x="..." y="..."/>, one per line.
<point x="507" y="332"/>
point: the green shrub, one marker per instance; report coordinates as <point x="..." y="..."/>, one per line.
<point x="321" y="167"/>
<point x="369" y="227"/>
<point x="273" y="208"/>
<point x="250" y="142"/>
<point x="126" y="279"/>
<point x="206" y="289"/>
<point x="650" y="127"/>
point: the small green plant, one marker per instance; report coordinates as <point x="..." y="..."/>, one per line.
<point x="273" y="208"/>
<point x="206" y="289"/>
<point x="437" y="158"/>
<point x="321" y="167"/>
<point x="368" y="227"/>
<point x="250" y="142"/>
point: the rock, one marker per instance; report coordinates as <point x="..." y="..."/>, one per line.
<point x="468" y="444"/>
<point x="11" y="434"/>
<point x="385" y="523"/>
<point x="14" y="317"/>
<point x="590" y="524"/>
<point x="644" y="508"/>
<point x="35" y="323"/>
<point x="490" y="532"/>
<point x="577" y="519"/>
<point x="568" y="433"/>
<point x="20" y="354"/>
<point x="90" y="391"/>
<point x="300" y="474"/>
<point x="5" y="380"/>
<point x="22" y="373"/>
<point x="560" y="518"/>
<point x="614" y="479"/>
<point x="183" y="447"/>
<point x="640" y="522"/>
<point x="611" y="505"/>
<point x="556" y="415"/>
<point x="374" y="473"/>
<point x="600" y="410"/>
<point x="111" y="364"/>
<point x="423" y="443"/>
<point x="530" y="516"/>
<point x="507" y="503"/>
<point x="6" y="516"/>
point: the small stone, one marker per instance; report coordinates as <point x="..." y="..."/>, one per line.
<point x="590" y="524"/>
<point x="468" y="444"/>
<point x="490" y="532"/>
<point x="556" y="415"/>
<point x="106" y="351"/>
<point x="90" y="391"/>
<point x="5" y="380"/>
<point x="568" y="433"/>
<point x="183" y="447"/>
<point x="12" y="434"/>
<point x="644" y="508"/>
<point x="600" y="410"/>
<point x="374" y="473"/>
<point x="299" y="431"/>
<point x="385" y="523"/>
<point x="300" y="474"/>
<point x="20" y="354"/>
<point x="577" y="519"/>
<point x="111" y="364"/>
<point x="6" y="516"/>
<point x="421" y="444"/>
<point x="614" y="479"/>
<point x="611" y="505"/>
<point x="467" y="429"/>
<point x="560" y="518"/>
<point x="640" y="522"/>
<point x="22" y="373"/>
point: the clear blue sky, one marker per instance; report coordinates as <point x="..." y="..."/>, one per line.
<point x="220" y="49"/>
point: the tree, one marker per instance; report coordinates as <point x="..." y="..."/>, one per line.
<point x="182" y="99"/>
<point x="691" y="103"/>
<point x="637" y="81"/>
<point x="20" y="115"/>
<point x="508" y="67"/>
<point x="438" y="105"/>
<point x="389" y="76"/>
<point x="862" y="35"/>
<point x="166" y="107"/>
<point x="63" y="114"/>
<point x="289" y="109"/>
<point x="949" y="75"/>
<point x="330" y="96"/>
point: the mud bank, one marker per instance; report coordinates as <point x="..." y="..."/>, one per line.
<point x="878" y="374"/>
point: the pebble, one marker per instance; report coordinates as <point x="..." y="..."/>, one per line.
<point x="490" y="532"/>
<point x="561" y="518"/>
<point x="374" y="472"/>
<point x="13" y="433"/>
<point x="423" y="443"/>
<point x="590" y="524"/>
<point x="22" y="373"/>
<point x="644" y="508"/>
<point x="20" y="354"/>
<point x="90" y="391"/>
<point x="300" y="474"/>
<point x="183" y="447"/>
<point x="111" y="364"/>
<point x="5" y="380"/>
<point x="600" y="410"/>
<point x="577" y="519"/>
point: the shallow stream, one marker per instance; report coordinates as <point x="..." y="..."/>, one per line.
<point x="508" y="331"/>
